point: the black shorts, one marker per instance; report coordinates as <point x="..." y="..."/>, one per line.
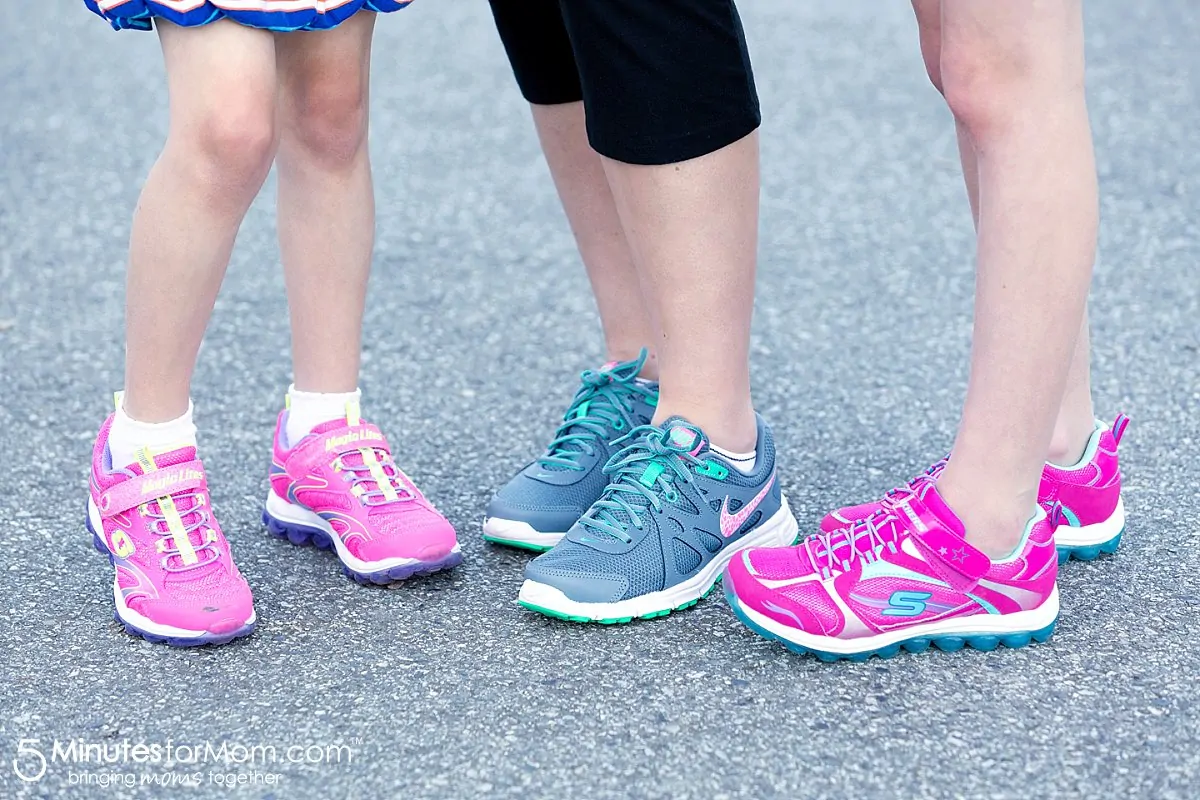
<point x="662" y="81"/>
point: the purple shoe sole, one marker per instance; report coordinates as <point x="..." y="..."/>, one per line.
<point x="172" y="641"/>
<point x="304" y="536"/>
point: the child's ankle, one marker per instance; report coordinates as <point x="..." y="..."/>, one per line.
<point x="307" y="410"/>
<point x="128" y="435"/>
<point x="1070" y="442"/>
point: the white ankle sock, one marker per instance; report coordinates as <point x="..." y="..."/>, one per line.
<point x="742" y="462"/>
<point x="307" y="410"/>
<point x="127" y="436"/>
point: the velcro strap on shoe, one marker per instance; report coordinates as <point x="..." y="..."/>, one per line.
<point x="955" y="561"/>
<point x="186" y="477"/>
<point x="958" y="563"/>
<point x="333" y="443"/>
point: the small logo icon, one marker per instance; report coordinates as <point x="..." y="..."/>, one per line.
<point x="732" y="523"/>
<point x="906" y="604"/>
<point x="122" y="544"/>
<point x="30" y="764"/>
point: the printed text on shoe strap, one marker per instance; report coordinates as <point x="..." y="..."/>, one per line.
<point x="339" y="441"/>
<point x="186" y="477"/>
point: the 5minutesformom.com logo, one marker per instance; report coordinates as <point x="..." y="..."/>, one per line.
<point x="33" y="759"/>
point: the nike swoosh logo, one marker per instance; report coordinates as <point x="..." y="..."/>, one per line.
<point x="732" y="523"/>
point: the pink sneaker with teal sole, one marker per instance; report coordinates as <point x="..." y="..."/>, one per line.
<point x="176" y="582"/>
<point x="1092" y="517"/>
<point x="339" y="489"/>
<point x="902" y="579"/>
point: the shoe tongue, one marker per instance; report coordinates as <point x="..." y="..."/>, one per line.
<point x="354" y="458"/>
<point x="619" y="372"/>
<point x="327" y="427"/>
<point x="685" y="436"/>
<point x="170" y="458"/>
<point x="680" y="433"/>
<point x="623" y="370"/>
<point x="185" y="503"/>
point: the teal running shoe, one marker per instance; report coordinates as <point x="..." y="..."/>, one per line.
<point x="544" y="499"/>
<point x="672" y="516"/>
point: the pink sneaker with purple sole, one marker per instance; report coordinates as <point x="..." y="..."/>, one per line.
<point x="901" y="579"/>
<point x="1092" y="513"/>
<point x="339" y="489"/>
<point x="175" y="582"/>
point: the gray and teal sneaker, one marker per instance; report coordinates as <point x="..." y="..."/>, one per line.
<point x="672" y="516"/>
<point x="545" y="498"/>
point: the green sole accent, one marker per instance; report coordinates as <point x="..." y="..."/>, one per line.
<point x="549" y="612"/>
<point x="537" y="548"/>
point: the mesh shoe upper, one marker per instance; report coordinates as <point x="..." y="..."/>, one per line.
<point x="671" y="505"/>
<point x="345" y="474"/>
<point x="174" y="565"/>
<point x="555" y="489"/>
<point x="908" y="565"/>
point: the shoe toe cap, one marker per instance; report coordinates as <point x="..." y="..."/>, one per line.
<point x="222" y="612"/>
<point x="419" y="533"/>
<point x="577" y="584"/>
<point x="544" y="517"/>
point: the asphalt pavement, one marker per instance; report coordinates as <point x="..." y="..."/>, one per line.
<point x="478" y="323"/>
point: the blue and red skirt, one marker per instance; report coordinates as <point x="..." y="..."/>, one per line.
<point x="274" y="15"/>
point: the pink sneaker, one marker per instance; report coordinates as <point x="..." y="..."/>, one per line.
<point x="905" y="578"/>
<point x="339" y="488"/>
<point x="176" y="582"/>
<point x="1089" y="494"/>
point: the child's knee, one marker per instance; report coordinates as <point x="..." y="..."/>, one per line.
<point x="985" y="84"/>
<point x="235" y="140"/>
<point x="328" y="116"/>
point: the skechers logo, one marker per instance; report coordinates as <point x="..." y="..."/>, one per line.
<point x="171" y="479"/>
<point x="350" y="438"/>
<point x="906" y="604"/>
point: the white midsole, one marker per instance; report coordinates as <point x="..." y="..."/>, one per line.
<point x="778" y="531"/>
<point x="132" y="617"/>
<point x="977" y="624"/>
<point x="1090" y="535"/>
<point x="513" y="530"/>
<point x="291" y="513"/>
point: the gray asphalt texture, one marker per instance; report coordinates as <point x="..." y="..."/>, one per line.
<point x="479" y="321"/>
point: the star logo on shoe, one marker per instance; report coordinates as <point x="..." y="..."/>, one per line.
<point x="959" y="555"/>
<point x="732" y="523"/>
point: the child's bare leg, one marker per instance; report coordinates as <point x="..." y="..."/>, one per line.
<point x="1075" y="420"/>
<point x="221" y="79"/>
<point x="326" y="199"/>
<point x="1012" y="74"/>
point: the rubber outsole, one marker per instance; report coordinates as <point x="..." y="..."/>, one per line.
<point x="536" y="548"/>
<point x="304" y="536"/>
<point x="918" y="644"/>
<point x="1090" y="552"/>
<point x="549" y="612"/>
<point x="155" y="638"/>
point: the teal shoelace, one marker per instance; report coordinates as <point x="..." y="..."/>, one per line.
<point x="642" y="475"/>
<point x="600" y="406"/>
